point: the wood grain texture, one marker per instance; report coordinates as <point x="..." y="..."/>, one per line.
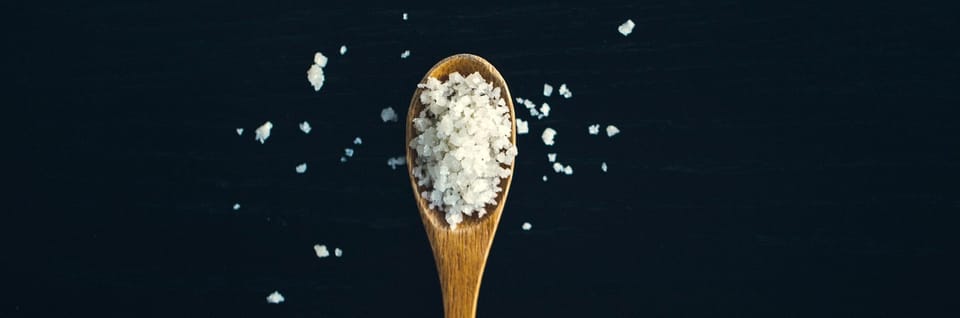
<point x="461" y="253"/>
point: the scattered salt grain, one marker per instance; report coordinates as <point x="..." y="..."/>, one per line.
<point x="519" y="100"/>
<point x="603" y="166"/>
<point x="301" y="168"/>
<point x="548" y="135"/>
<point x="545" y="109"/>
<point x="594" y="129"/>
<point x="348" y="152"/>
<point x="557" y="167"/>
<point x="405" y="54"/>
<point x="236" y="206"/>
<point x="523" y="127"/>
<point x="404" y="16"/>
<point x="343" y="49"/>
<point x="343" y="159"/>
<point x="564" y="91"/>
<point x="396" y="161"/>
<point x="463" y="145"/>
<point x="320" y="59"/>
<point x="626" y="28"/>
<point x="568" y="170"/>
<point x="239" y="131"/>
<point x="263" y="132"/>
<point x="612" y="130"/>
<point x="337" y="252"/>
<point x="275" y="298"/>
<point x="321" y="250"/>
<point x="535" y="113"/>
<point x="544" y="178"/>
<point x="529" y="104"/>
<point x="547" y="90"/>
<point x="305" y="127"/>
<point x="357" y="141"/>
<point x="552" y="157"/>
<point x="387" y="114"/>
<point x="526" y="226"/>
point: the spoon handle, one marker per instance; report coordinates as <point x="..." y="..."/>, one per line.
<point x="461" y="257"/>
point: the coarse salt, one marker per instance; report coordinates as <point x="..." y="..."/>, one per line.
<point x="522" y="127"/>
<point x="263" y="132"/>
<point x="526" y="226"/>
<point x="626" y="28"/>
<point x="404" y="16"/>
<point x="305" y="127"/>
<point x="275" y="298"/>
<point x="321" y="250"/>
<point x="594" y="129"/>
<point x="568" y="170"/>
<point x="547" y="90"/>
<point x="603" y="166"/>
<point x="564" y="91"/>
<point x="396" y="161"/>
<point x="239" y="131"/>
<point x="557" y="167"/>
<point x="343" y="49"/>
<point x="612" y="130"/>
<point x="236" y="206"/>
<point x="357" y="141"/>
<point x="405" y="54"/>
<point x="337" y="252"/>
<point x="387" y="114"/>
<point x="552" y="157"/>
<point x="544" y="178"/>
<point x="545" y="109"/>
<point x="348" y="152"/>
<point x="301" y="168"/>
<point x="548" y="135"/>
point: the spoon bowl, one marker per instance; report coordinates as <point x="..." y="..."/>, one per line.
<point x="461" y="253"/>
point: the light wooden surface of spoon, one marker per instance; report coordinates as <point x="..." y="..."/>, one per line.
<point x="461" y="254"/>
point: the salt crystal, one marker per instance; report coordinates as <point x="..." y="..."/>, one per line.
<point x="544" y="178"/>
<point x="603" y="166"/>
<point x="236" y="206"/>
<point x="263" y="132"/>
<point x="626" y="28"/>
<point x="527" y="226"/>
<point x="404" y="16"/>
<point x="321" y="250"/>
<point x="522" y="127"/>
<point x="519" y="100"/>
<point x="529" y="104"/>
<point x="547" y="90"/>
<point x="343" y="49"/>
<point x="239" y="131"/>
<point x="545" y="109"/>
<point x="548" y="135"/>
<point x="301" y="168"/>
<point x="396" y="161"/>
<point x="387" y="114"/>
<point x="557" y="167"/>
<point x="348" y="152"/>
<point x="315" y="76"/>
<point x="612" y="130"/>
<point x="357" y="141"/>
<point x="564" y="91"/>
<point x="320" y="59"/>
<point x="305" y="127"/>
<point x="594" y="129"/>
<point x="337" y="252"/>
<point x="568" y="170"/>
<point x="535" y="113"/>
<point x="405" y="54"/>
<point x="552" y="157"/>
<point x="343" y="159"/>
<point x="275" y="298"/>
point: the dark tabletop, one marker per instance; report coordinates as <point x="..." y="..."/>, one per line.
<point x="796" y="159"/>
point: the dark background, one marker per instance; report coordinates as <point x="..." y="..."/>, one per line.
<point x="796" y="159"/>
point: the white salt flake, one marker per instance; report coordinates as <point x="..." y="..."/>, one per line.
<point x="396" y="161"/>
<point x="387" y="114"/>
<point x="463" y="145"/>
<point x="348" y="152"/>
<point x="535" y="113"/>
<point x="626" y="28"/>
<point x="519" y="100"/>
<point x="343" y="49"/>
<point x="548" y="135"/>
<point x="320" y="59"/>
<point x="522" y="127"/>
<point x="337" y="252"/>
<point x="315" y="76"/>
<point x="552" y="157"/>
<point x="544" y="178"/>
<point x="594" y="129"/>
<point x="564" y="91"/>
<point x="301" y="168"/>
<point x="568" y="170"/>
<point x="321" y="250"/>
<point x="557" y="167"/>
<point x="529" y="104"/>
<point x="545" y="109"/>
<point x="357" y="141"/>
<point x="263" y="132"/>
<point x="404" y="16"/>
<point x="405" y="54"/>
<point x="547" y="90"/>
<point x="603" y="166"/>
<point x="526" y="226"/>
<point x="275" y="298"/>
<point x="612" y="130"/>
<point x="239" y="131"/>
<point x="305" y="127"/>
<point x="343" y="159"/>
<point x="236" y="206"/>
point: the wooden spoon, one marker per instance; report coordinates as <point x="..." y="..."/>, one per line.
<point x="461" y="254"/>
